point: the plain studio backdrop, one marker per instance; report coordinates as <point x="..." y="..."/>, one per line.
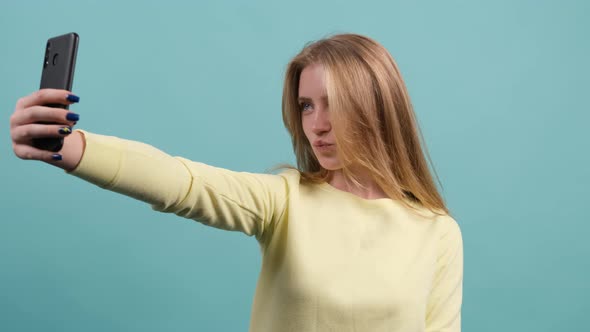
<point x="500" y="89"/>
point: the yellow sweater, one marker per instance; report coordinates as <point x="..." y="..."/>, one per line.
<point x="331" y="261"/>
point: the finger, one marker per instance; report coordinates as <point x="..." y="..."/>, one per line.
<point x="28" y="152"/>
<point x="47" y="96"/>
<point x="26" y="133"/>
<point x="42" y="114"/>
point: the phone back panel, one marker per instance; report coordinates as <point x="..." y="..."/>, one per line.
<point x="58" y="73"/>
<point x="60" y="62"/>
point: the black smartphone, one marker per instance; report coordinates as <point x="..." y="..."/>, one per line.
<point x="58" y="73"/>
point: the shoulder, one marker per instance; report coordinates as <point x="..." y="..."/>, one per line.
<point x="290" y="175"/>
<point x="441" y="220"/>
<point x="448" y="229"/>
<point x="285" y="181"/>
<point x="450" y="238"/>
<point x="441" y="225"/>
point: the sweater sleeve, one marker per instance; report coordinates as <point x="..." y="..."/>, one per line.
<point x="444" y="302"/>
<point x="236" y="201"/>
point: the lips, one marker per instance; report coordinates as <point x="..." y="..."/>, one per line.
<point x="320" y="144"/>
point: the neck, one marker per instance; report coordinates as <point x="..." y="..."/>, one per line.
<point x="369" y="190"/>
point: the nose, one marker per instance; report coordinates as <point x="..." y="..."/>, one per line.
<point x="321" y="121"/>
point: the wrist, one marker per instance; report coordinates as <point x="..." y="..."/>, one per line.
<point x="71" y="152"/>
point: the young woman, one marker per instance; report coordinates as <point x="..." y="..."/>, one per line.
<point x="356" y="238"/>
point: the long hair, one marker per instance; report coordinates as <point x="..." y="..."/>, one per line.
<point x="372" y="117"/>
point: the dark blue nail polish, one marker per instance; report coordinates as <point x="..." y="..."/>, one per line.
<point x="73" y="98"/>
<point x="56" y="156"/>
<point x="65" y="130"/>
<point x="72" y="117"/>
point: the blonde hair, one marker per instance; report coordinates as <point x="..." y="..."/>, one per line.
<point x="373" y="120"/>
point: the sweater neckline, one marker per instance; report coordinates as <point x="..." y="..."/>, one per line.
<point x="328" y="187"/>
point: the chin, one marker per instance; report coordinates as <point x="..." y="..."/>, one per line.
<point x="330" y="164"/>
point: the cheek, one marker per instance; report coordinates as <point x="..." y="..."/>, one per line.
<point x="306" y="128"/>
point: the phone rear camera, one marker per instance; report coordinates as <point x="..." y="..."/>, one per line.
<point x="48" y="46"/>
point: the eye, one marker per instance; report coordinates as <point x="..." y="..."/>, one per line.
<point x="304" y="106"/>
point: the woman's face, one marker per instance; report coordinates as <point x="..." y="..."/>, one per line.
<point x="315" y="116"/>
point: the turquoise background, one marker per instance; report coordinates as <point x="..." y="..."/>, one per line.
<point x="500" y="89"/>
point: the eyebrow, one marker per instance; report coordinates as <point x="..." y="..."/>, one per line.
<point x="300" y="99"/>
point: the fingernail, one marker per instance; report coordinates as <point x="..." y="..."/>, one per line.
<point x="72" y="117"/>
<point x="65" y="130"/>
<point x="73" y="98"/>
<point x="56" y="156"/>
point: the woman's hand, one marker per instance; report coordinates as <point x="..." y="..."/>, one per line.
<point x="25" y="126"/>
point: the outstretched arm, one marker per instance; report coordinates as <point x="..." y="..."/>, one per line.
<point x="238" y="201"/>
<point x="246" y="202"/>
